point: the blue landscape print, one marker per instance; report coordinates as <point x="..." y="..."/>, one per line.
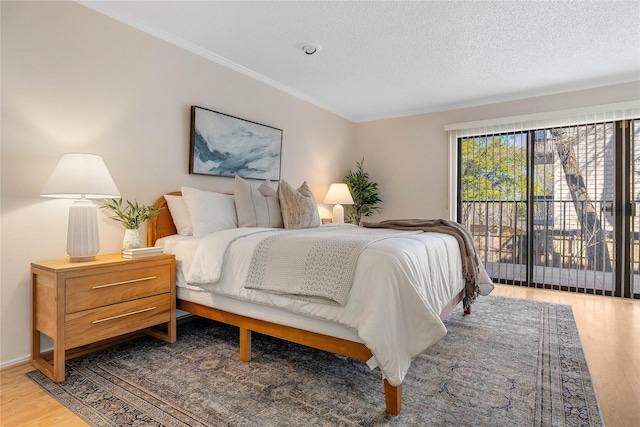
<point x="223" y="145"/>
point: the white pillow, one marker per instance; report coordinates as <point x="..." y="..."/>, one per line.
<point x="257" y="207"/>
<point x="180" y="214"/>
<point x="299" y="209"/>
<point x="209" y="211"/>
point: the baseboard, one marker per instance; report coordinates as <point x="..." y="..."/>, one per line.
<point x="15" y="362"/>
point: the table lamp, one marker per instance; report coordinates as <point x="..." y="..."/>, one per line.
<point x="338" y="195"/>
<point x="82" y="177"/>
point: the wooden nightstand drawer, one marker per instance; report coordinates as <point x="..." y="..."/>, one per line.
<point x="86" y="292"/>
<point x="101" y="323"/>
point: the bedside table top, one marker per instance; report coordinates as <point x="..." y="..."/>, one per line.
<point x="108" y="259"/>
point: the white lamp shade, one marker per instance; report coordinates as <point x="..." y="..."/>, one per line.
<point x="338" y="194"/>
<point x="79" y="176"/>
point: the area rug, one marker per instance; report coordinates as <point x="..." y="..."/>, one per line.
<point x="512" y="362"/>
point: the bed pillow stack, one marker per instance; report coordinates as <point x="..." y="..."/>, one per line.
<point x="209" y="211"/>
<point x="198" y="212"/>
<point x="180" y="214"/>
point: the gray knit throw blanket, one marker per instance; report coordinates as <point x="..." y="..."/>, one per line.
<point x="313" y="264"/>
<point x="468" y="252"/>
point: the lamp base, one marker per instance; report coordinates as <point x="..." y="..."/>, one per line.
<point x="83" y="239"/>
<point x="338" y="214"/>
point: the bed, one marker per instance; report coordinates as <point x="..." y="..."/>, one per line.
<point x="303" y="321"/>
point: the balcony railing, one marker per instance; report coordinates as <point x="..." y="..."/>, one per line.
<point x="560" y="255"/>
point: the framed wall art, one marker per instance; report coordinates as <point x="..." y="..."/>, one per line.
<point x="223" y="145"/>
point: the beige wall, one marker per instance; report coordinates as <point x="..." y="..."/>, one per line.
<point x="408" y="156"/>
<point x="74" y="80"/>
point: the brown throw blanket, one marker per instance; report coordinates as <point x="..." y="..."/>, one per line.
<point x="468" y="252"/>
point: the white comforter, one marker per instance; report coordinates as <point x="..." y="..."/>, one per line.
<point x="400" y="286"/>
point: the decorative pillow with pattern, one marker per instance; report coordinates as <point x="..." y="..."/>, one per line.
<point x="257" y="206"/>
<point x="299" y="209"/>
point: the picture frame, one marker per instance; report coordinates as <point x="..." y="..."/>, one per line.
<point x="224" y="145"/>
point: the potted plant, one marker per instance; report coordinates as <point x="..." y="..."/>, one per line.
<point x="131" y="215"/>
<point x="364" y="193"/>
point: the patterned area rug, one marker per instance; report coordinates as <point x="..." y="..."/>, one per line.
<point x="511" y="363"/>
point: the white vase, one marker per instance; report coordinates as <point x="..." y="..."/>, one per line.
<point x="131" y="239"/>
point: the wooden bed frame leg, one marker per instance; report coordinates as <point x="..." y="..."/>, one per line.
<point x="245" y="345"/>
<point x="393" y="398"/>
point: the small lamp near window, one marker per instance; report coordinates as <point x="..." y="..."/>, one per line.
<point x="338" y="195"/>
<point x="82" y="177"/>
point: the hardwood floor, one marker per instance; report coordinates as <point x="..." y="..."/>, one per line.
<point x="25" y="404"/>
<point x="609" y="329"/>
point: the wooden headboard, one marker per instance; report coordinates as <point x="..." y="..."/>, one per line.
<point x="161" y="225"/>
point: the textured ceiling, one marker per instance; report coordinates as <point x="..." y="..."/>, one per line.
<point x="393" y="58"/>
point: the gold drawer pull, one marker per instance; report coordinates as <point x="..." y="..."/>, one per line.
<point x="124" y="315"/>
<point x="124" y="283"/>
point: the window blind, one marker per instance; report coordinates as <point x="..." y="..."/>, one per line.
<point x="513" y="124"/>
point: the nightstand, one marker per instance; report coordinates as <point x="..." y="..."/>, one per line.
<point x="80" y="304"/>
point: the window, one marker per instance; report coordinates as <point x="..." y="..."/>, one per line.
<point x="554" y="206"/>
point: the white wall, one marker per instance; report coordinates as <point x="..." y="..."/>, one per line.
<point x="408" y="156"/>
<point x="74" y="80"/>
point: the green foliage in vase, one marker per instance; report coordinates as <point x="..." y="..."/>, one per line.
<point x="130" y="214"/>
<point x="364" y="193"/>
